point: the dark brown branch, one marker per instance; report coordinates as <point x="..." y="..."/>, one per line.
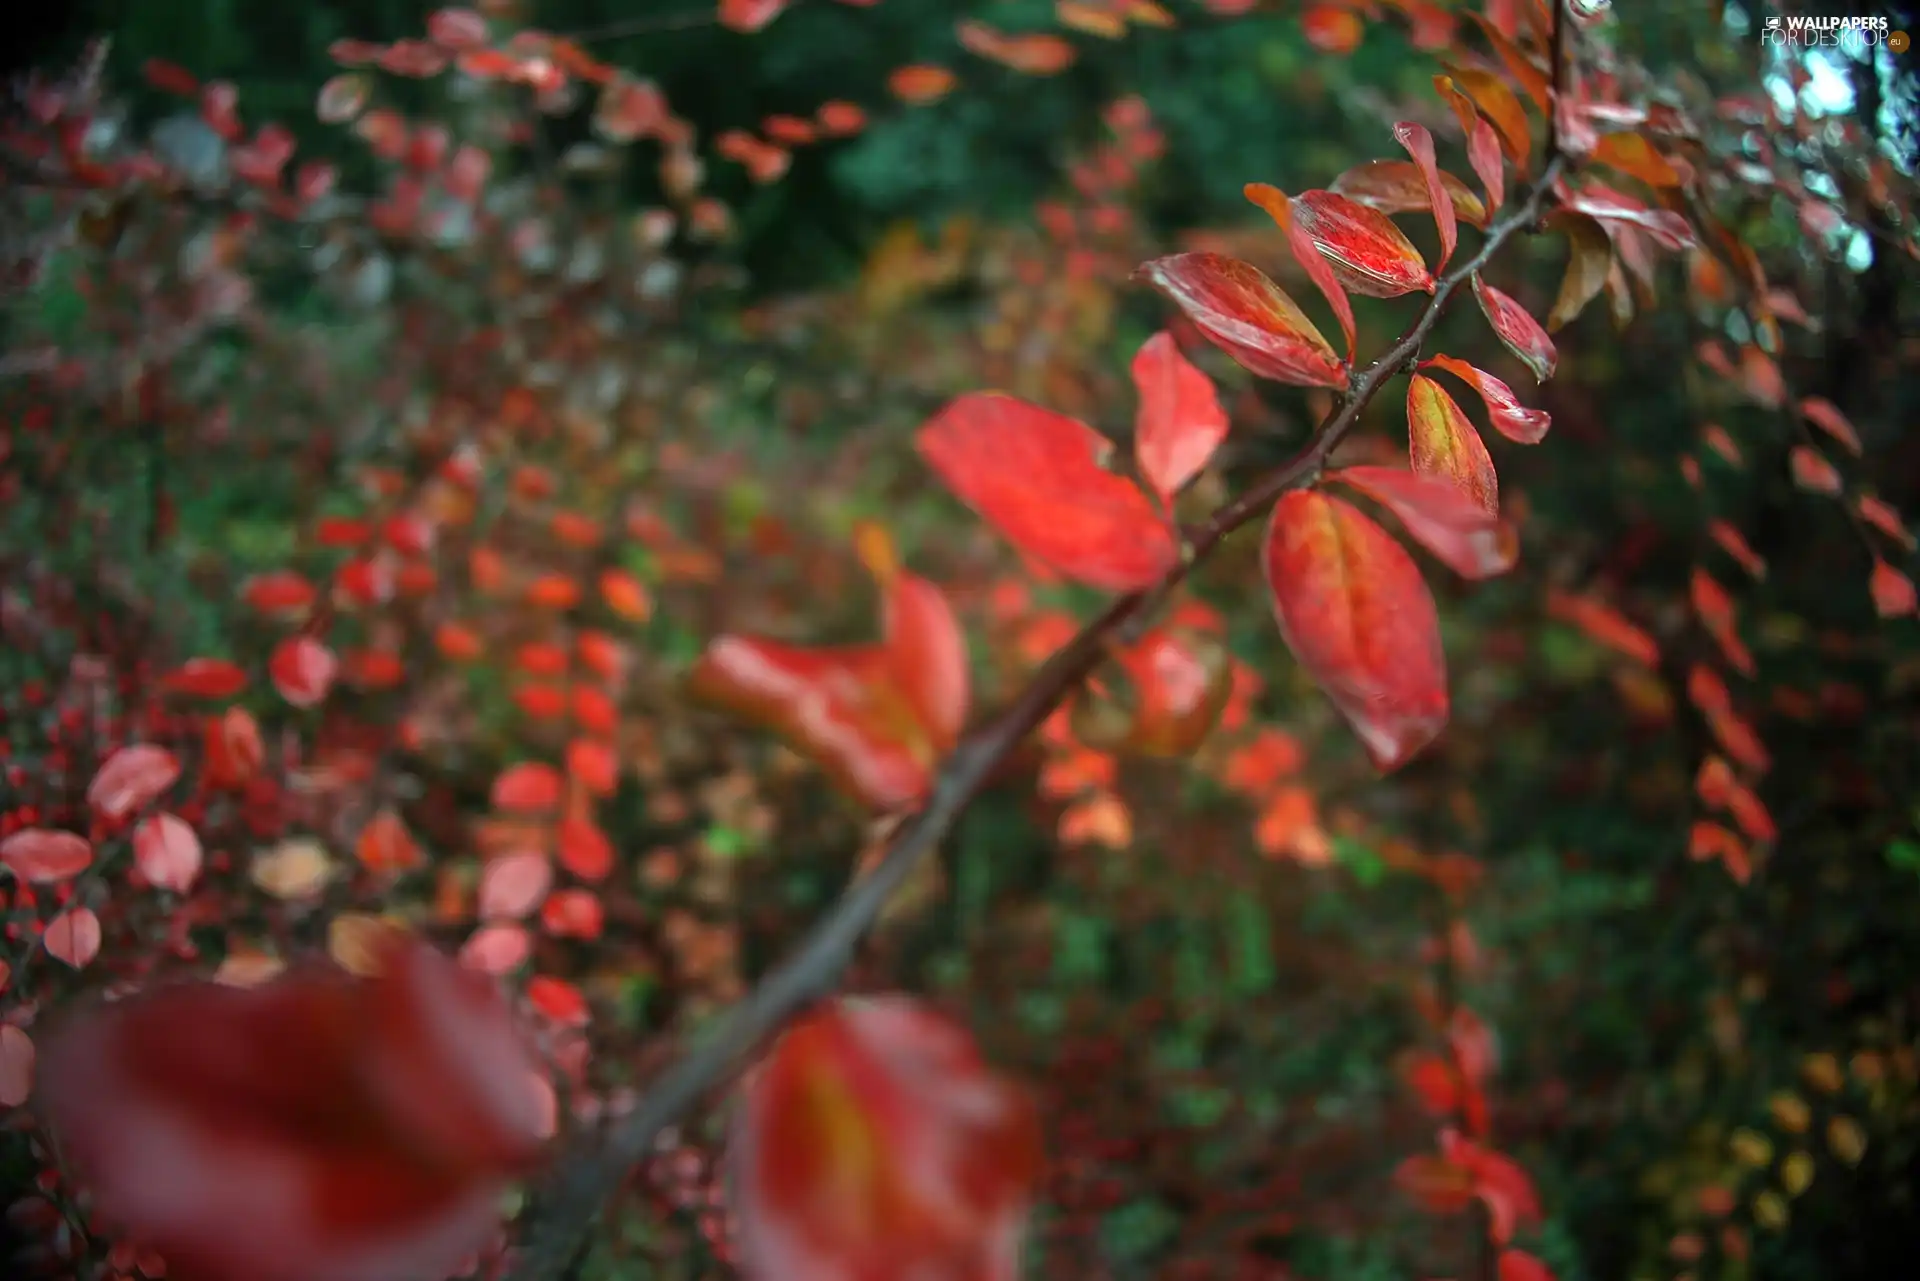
<point x="564" y="1215"/>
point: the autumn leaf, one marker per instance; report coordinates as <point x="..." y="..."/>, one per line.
<point x="1398" y="186"/>
<point x="1483" y="144"/>
<point x="1589" y="260"/>
<point x="1826" y="415"/>
<point x="1036" y="477"/>
<point x="1034" y="55"/>
<point x="1812" y="472"/>
<point x="1249" y="317"/>
<point x="1605" y="624"/>
<point x="877" y="718"/>
<point x="1419" y="144"/>
<point x="1353" y="609"/>
<point x="1279" y="206"/>
<point x="921" y="83"/>
<point x="1893" y="591"/>
<point x="1510" y="418"/>
<point x="1612" y="209"/>
<point x="1368" y="253"/>
<point x="1501" y="108"/>
<point x="1441" y="516"/>
<point x="1179" y="423"/>
<point x="1443" y="443"/>
<point x="45" y="855"/>
<point x="1517" y="328"/>
<point x="363" y="1126"/>
<point x="874" y="1142"/>
<point x="1632" y="154"/>
<point x="130" y="779"/>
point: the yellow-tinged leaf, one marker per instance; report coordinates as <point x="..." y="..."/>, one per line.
<point x="1443" y="442"/>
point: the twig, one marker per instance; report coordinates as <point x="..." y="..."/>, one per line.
<point x="1557" y="64"/>
<point x="563" y="1216"/>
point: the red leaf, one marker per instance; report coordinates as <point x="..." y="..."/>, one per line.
<point x="1354" y="610"/>
<point x="1517" y="328"/>
<point x="1419" y="145"/>
<point x="1735" y="544"/>
<point x="573" y="913"/>
<point x="1317" y="266"/>
<point x="363" y="1127"/>
<point x="302" y="670"/>
<point x="530" y="786"/>
<point x="827" y="702"/>
<point x="1668" y="229"/>
<point x="558" y="1001"/>
<point x="497" y="949"/>
<point x="1893" y="593"/>
<point x="1369" y="254"/>
<point x="73" y="937"/>
<point x="1443" y="443"/>
<point x="584" y="850"/>
<point x="1518" y="1265"/>
<point x="1398" y="186"/>
<point x="1826" y="415"/>
<point x="873" y="1142"/>
<point x="206" y="678"/>
<point x="513" y="885"/>
<point x="927" y="655"/>
<point x="1602" y="623"/>
<point x="1442" y="517"/>
<point x="16" y="1066"/>
<point x="1483" y="144"/>
<point x="45" y="855"/>
<point x="1881" y="516"/>
<point x="1179" y="423"/>
<point x="1812" y="472"/>
<point x="1509" y="417"/>
<point x="130" y="779"/>
<point x="1035" y="476"/>
<point x="1249" y="317"/>
<point x="167" y="852"/>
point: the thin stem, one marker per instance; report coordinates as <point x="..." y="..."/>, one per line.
<point x="1557" y="63"/>
<point x="565" y="1212"/>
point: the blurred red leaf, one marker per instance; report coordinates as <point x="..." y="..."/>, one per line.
<point x="512" y="885"/>
<point x="1612" y="209"/>
<point x="73" y="937"/>
<point x="302" y="670"/>
<point x="1515" y="326"/>
<point x="1249" y="317"/>
<point x="583" y="849"/>
<point x="206" y="678"/>
<point x="1510" y="418"/>
<point x="1826" y="415"/>
<point x="873" y="1142"/>
<point x="1442" y="517"/>
<point x="1893" y="592"/>
<point x="528" y="786"/>
<point x="167" y="851"/>
<point x="1034" y="55"/>
<point x="1179" y="423"/>
<point x="46" y="855"/>
<point x="1442" y="443"/>
<point x="364" y="1128"/>
<point x="1419" y="144"/>
<point x="1602" y="623"/>
<point x="921" y="83"/>
<point x="1354" y="610"/>
<point x="16" y="1066"/>
<point x="1812" y="472"/>
<point x="1036" y="477"/>
<point x="129" y="779"/>
<point x="877" y="718"/>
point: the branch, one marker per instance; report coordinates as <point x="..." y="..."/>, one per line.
<point x="563" y="1216"/>
<point x="1557" y="66"/>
